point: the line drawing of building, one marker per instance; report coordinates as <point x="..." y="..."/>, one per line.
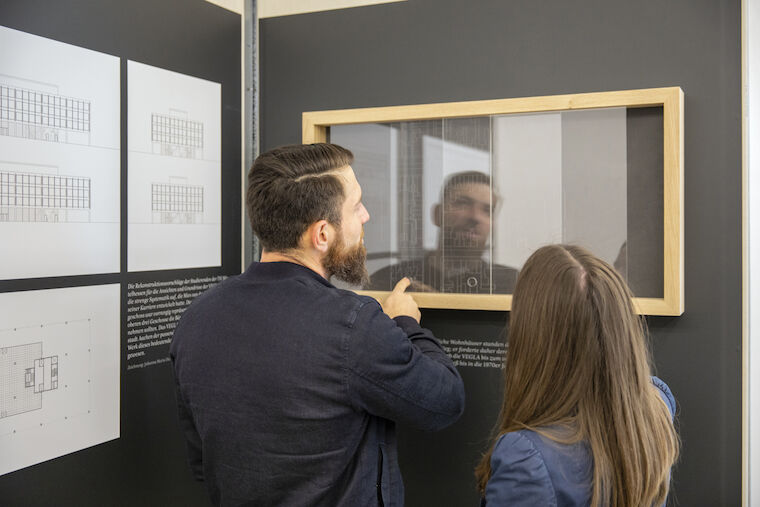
<point x="38" y="197"/>
<point x="43" y="116"/>
<point x="175" y="135"/>
<point x="173" y="203"/>
<point x="24" y="375"/>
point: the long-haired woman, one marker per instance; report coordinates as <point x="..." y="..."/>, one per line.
<point x="583" y="422"/>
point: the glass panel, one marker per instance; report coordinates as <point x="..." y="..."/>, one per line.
<point x="464" y="212"/>
<point x="375" y="148"/>
<point x="458" y="205"/>
<point x="594" y="170"/>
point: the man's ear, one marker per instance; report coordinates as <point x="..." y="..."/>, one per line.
<point x="319" y="234"/>
<point x="436" y="215"/>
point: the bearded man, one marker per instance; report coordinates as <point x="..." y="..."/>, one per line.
<point x="288" y="387"/>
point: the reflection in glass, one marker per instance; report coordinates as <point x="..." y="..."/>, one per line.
<point x="458" y="205"/>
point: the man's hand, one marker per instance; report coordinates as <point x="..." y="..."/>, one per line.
<point x="399" y="302"/>
<point x="418" y="286"/>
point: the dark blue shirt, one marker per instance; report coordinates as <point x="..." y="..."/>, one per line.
<point x="528" y="469"/>
<point x="288" y="390"/>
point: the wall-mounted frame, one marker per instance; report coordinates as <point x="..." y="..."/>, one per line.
<point x="461" y="193"/>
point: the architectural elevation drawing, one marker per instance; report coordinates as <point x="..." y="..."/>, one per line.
<point x="39" y="197"/>
<point x="24" y="376"/>
<point x="59" y="372"/>
<point x="176" y="136"/>
<point x="59" y="158"/>
<point x="176" y="203"/>
<point x="174" y="182"/>
<point x="41" y="115"/>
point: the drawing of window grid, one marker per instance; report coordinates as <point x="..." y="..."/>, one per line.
<point x="176" y="203"/>
<point x="31" y="197"/>
<point x="43" y="116"/>
<point x="24" y="375"/>
<point x="176" y="136"/>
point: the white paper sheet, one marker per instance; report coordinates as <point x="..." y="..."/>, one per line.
<point x="59" y="158"/>
<point x="174" y="189"/>
<point x="59" y="372"/>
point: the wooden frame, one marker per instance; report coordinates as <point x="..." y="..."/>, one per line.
<point x="315" y="125"/>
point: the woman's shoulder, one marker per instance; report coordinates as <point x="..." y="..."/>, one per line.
<point x="518" y="449"/>
<point x="666" y="394"/>
<point x="528" y="466"/>
<point x="518" y="473"/>
<point x="516" y="441"/>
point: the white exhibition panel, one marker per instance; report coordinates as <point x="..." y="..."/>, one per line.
<point x="563" y="179"/>
<point x="59" y="372"/>
<point x="174" y="175"/>
<point x="527" y="171"/>
<point x="59" y="158"/>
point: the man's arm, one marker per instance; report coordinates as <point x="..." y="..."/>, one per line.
<point x="398" y="370"/>
<point x="192" y="438"/>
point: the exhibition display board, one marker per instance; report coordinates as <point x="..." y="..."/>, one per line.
<point x="119" y="135"/>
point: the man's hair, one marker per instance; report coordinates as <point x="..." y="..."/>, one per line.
<point x="468" y="178"/>
<point x="291" y="187"/>
<point x="464" y="177"/>
<point x="578" y="369"/>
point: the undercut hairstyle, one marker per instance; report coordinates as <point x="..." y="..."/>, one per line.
<point x="578" y="369"/>
<point x="291" y="187"/>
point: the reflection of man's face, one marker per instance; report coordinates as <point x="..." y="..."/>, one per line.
<point x="466" y="220"/>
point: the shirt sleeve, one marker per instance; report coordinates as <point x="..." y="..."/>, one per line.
<point x="519" y="477"/>
<point x="665" y="394"/>
<point x="192" y="438"/>
<point x="398" y="370"/>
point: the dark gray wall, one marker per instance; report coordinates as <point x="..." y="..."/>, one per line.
<point x="147" y="465"/>
<point x="423" y="51"/>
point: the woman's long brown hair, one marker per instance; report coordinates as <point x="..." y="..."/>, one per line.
<point x="578" y="369"/>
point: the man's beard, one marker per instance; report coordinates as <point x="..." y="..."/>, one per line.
<point x="347" y="264"/>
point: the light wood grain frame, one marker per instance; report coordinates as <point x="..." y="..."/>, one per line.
<point x="316" y="124"/>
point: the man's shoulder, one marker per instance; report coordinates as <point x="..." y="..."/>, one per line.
<point x="504" y="278"/>
<point x="210" y="297"/>
<point x="220" y="288"/>
<point x="353" y="299"/>
<point x="309" y="293"/>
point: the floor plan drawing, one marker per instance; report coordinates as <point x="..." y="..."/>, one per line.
<point x="59" y="372"/>
<point x="24" y="375"/>
<point x="176" y="136"/>
<point x="39" y="197"/>
<point x="58" y="362"/>
<point x="44" y="116"/>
